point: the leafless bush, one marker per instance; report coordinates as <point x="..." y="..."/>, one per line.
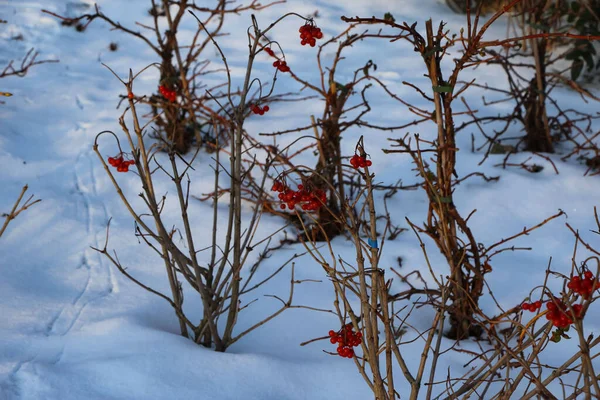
<point x="27" y="62"/>
<point x="533" y="61"/>
<point x="184" y="110"/>
<point x="369" y="314"/>
<point x="510" y="363"/>
<point x="16" y="210"/>
<point x="219" y="283"/>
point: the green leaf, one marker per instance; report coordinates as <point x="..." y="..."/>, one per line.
<point x="431" y="51"/>
<point x="498" y="148"/>
<point x="541" y="27"/>
<point x="342" y="88"/>
<point x="442" y="89"/>
<point x="536" y="168"/>
<point x="576" y="68"/>
<point x="591" y="49"/>
<point x="556" y="335"/>
<point x="589" y="60"/>
<point x="573" y="54"/>
<point x="368" y="65"/>
<point x="389" y="17"/>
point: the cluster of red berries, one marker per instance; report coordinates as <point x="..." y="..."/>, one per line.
<point x="346" y="338"/>
<point x="281" y="66"/>
<point x="584" y="286"/>
<point x="120" y="164"/>
<point x="258" y="109"/>
<point x="167" y="93"/>
<point x="360" y="162"/>
<point x="309" y="34"/>
<point x="269" y="51"/>
<point x="559" y="314"/>
<point x="533" y="307"/>
<point x="308" y="200"/>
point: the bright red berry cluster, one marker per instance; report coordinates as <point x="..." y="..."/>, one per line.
<point x="584" y="286"/>
<point x="559" y="314"/>
<point x="533" y="307"/>
<point x="258" y="109"/>
<point x="167" y="93"/>
<point x="269" y="51"/>
<point x="309" y="34"/>
<point x="360" y="162"/>
<point x="120" y="164"/>
<point x="281" y="66"/>
<point x="346" y="338"/>
<point x="307" y="199"/>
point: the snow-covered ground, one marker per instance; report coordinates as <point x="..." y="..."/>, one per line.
<point x="72" y="327"/>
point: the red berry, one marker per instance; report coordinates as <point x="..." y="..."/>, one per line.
<point x="282" y="206"/>
<point x="586" y="285"/>
<point x="588" y="275"/>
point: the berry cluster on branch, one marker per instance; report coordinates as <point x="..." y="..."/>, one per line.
<point x="559" y="315"/>
<point x="346" y="339"/>
<point x="120" y="163"/>
<point x="281" y="66"/>
<point x="309" y="200"/>
<point x="585" y="286"/>
<point x="256" y="109"/>
<point x="167" y="93"/>
<point x="360" y="162"/>
<point x="309" y="34"/>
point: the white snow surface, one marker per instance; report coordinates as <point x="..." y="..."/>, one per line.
<point x="73" y="327"/>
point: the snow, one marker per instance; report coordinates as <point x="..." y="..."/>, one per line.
<point x="73" y="327"/>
